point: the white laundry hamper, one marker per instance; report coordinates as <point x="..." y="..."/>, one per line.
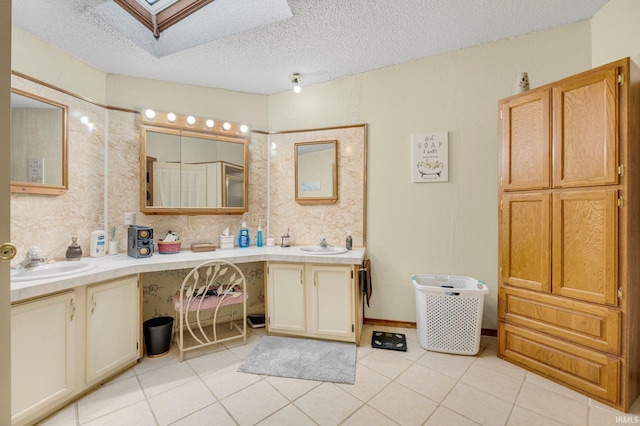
<point x="449" y="312"/>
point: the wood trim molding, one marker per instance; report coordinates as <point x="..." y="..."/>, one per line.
<point x="166" y="18"/>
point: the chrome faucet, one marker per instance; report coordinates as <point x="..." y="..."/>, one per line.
<point x="323" y="242"/>
<point x="33" y="258"/>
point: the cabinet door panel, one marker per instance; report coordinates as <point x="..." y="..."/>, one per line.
<point x="112" y="326"/>
<point x="585" y="135"/>
<point x="585" y="241"/>
<point x="286" y="292"/>
<point x="333" y="314"/>
<point x="598" y="327"/>
<point x="526" y="140"/>
<point x="583" y="369"/>
<point x="526" y="241"/>
<point x="42" y="355"/>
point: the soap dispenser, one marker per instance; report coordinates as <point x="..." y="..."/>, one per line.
<point x="349" y="242"/>
<point x="74" y="251"/>
<point x="259" y="239"/>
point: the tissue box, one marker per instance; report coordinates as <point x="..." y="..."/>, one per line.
<point x="226" y="242"/>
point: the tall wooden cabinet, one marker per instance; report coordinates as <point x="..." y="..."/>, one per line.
<point x="569" y="232"/>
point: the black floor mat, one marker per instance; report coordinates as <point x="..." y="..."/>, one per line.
<point x="393" y="341"/>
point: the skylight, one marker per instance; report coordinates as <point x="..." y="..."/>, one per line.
<point x="158" y="15"/>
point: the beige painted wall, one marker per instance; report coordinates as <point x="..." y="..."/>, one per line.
<point x="615" y="32"/>
<point x="443" y="228"/>
<point x="41" y="61"/>
<point x="139" y="93"/>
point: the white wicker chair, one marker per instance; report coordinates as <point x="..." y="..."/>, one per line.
<point x="207" y="288"/>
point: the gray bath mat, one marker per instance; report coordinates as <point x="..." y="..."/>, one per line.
<point x="303" y="359"/>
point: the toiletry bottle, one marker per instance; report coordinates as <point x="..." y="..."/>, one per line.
<point x="259" y="239"/>
<point x="349" y="241"/>
<point x="243" y="236"/>
<point x="74" y="251"/>
<point x="98" y="246"/>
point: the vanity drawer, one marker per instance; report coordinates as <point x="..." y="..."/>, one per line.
<point x="583" y="369"/>
<point x="597" y="327"/>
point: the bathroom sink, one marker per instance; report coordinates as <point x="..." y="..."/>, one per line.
<point x="50" y="270"/>
<point x="322" y="250"/>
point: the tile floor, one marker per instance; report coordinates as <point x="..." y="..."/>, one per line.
<point x="416" y="387"/>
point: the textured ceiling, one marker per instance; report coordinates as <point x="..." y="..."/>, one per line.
<point x="253" y="45"/>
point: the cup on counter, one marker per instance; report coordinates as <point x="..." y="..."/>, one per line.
<point x="113" y="247"/>
<point x="271" y="242"/>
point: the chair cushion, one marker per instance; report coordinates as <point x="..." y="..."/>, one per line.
<point x="210" y="302"/>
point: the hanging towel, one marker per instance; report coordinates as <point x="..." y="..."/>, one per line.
<point x="364" y="276"/>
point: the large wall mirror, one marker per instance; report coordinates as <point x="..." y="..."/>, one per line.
<point x="38" y="144"/>
<point x="316" y="167"/>
<point x="190" y="172"/>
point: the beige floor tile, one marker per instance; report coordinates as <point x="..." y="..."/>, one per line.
<point x="451" y="365"/>
<point x="148" y="364"/>
<point x="213" y="414"/>
<point x="539" y="381"/>
<point x="227" y="381"/>
<point x="368" y="416"/>
<point x="367" y="384"/>
<point x="328" y="404"/>
<point x="603" y="417"/>
<point x="213" y="361"/>
<point x="254" y="403"/>
<point x="109" y="398"/>
<point x="489" y="359"/>
<point x="288" y="416"/>
<point x="478" y="406"/>
<point x="385" y="362"/>
<point x="242" y="351"/>
<point x="443" y="416"/>
<point x="66" y="416"/>
<point x="181" y="401"/>
<point x="403" y="405"/>
<point x="427" y="382"/>
<point x="168" y="377"/>
<point x="292" y="389"/>
<point x="551" y="404"/>
<point x="138" y="414"/>
<point x="523" y="417"/>
<point x="492" y="382"/>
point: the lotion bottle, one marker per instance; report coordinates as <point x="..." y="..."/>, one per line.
<point x="243" y="236"/>
<point x="259" y="239"/>
<point x="98" y="243"/>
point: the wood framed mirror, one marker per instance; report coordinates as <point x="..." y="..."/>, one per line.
<point x="186" y="169"/>
<point x="39" y="137"/>
<point x="316" y="170"/>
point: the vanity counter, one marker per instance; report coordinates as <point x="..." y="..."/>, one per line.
<point x="114" y="266"/>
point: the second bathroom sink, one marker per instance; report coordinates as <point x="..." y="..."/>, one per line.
<point x="51" y="270"/>
<point x="322" y="250"/>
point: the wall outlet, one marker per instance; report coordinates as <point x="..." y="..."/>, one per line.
<point x="253" y="220"/>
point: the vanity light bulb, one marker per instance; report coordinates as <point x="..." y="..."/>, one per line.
<point x="191" y="120"/>
<point x="150" y="114"/>
<point x="226" y="125"/>
<point x="297" y="88"/>
<point x="171" y="117"/>
<point x="244" y="128"/>
<point x="210" y="123"/>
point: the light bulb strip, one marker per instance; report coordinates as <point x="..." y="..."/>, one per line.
<point x="200" y="124"/>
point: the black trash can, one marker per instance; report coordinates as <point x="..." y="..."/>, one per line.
<point x="157" y="336"/>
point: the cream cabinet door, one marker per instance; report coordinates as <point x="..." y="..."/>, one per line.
<point x="43" y="334"/>
<point x="332" y="301"/>
<point x="287" y="295"/>
<point x="112" y="326"/>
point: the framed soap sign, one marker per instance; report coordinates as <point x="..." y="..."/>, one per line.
<point x="430" y="161"/>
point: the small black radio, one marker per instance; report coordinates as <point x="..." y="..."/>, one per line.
<point x="140" y="241"/>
